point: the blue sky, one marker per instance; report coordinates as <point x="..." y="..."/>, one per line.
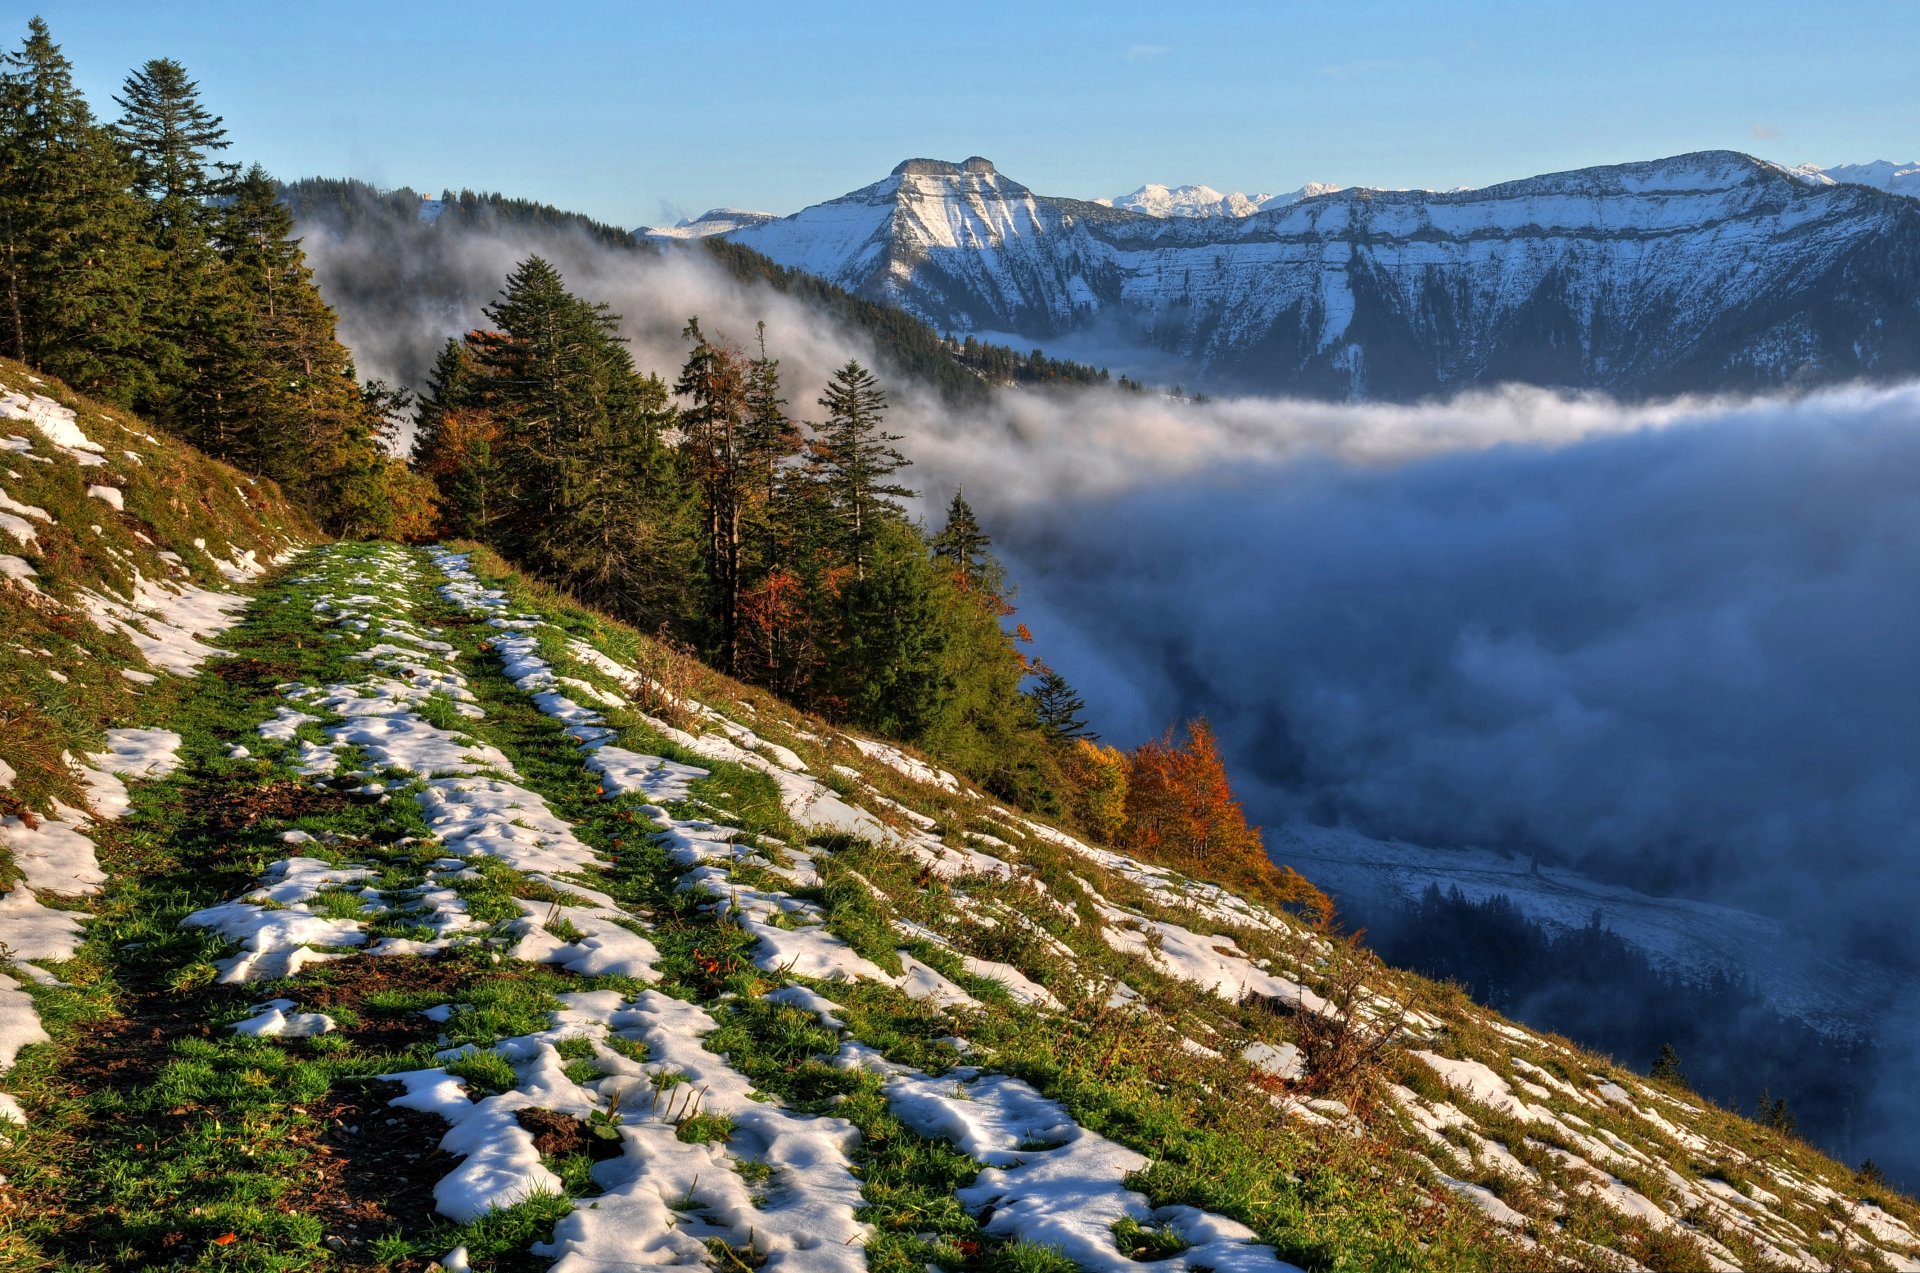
<point x="634" y="111"/>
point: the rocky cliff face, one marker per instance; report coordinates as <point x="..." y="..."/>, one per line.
<point x="1711" y="271"/>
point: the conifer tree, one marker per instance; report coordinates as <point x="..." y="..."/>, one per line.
<point x="769" y="436"/>
<point x="714" y="386"/>
<point x="855" y="457"/>
<point x="456" y="446"/>
<point x="70" y="287"/>
<point x="171" y="138"/>
<point x="594" y="498"/>
<point x="448" y="382"/>
<point x="963" y="546"/>
<point x="1058" y="708"/>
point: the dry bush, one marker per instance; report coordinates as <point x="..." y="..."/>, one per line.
<point x="669" y="672"/>
<point x="1344" y="1046"/>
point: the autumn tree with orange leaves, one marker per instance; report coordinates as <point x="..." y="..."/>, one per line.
<point x="1181" y="812"/>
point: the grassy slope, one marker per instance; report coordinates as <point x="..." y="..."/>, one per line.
<point x="173" y="497"/>
<point x="160" y="1138"/>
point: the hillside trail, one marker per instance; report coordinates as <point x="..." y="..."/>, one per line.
<point x="411" y="959"/>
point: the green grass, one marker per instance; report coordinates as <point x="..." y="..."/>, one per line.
<point x="184" y="1133"/>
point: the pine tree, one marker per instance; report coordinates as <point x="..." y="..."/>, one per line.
<point x="1666" y="1066"/>
<point x="594" y="499"/>
<point x="456" y="445"/>
<point x="171" y="138"/>
<point x="769" y="437"/>
<point x="1058" y="708"/>
<point x="963" y="546"/>
<point x="855" y="458"/>
<point x="713" y="384"/>
<point x="70" y="256"/>
<point x="268" y="386"/>
<point x="448" y="384"/>
<point x="1775" y="1114"/>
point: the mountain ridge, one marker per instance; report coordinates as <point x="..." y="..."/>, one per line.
<point x="1711" y="271"/>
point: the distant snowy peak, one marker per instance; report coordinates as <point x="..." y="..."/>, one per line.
<point x="707" y="224"/>
<point x="1880" y="174"/>
<point x="1705" y="271"/>
<point x="1204" y="201"/>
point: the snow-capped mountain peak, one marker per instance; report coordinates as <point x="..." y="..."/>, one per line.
<point x="1881" y="174"/>
<point x="711" y="222"/>
<point x="1204" y="201"/>
<point x="1711" y="270"/>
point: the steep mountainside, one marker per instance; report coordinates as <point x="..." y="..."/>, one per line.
<point x="441" y="919"/>
<point x="1712" y="271"/>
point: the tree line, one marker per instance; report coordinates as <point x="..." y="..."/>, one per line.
<point x="144" y="270"/>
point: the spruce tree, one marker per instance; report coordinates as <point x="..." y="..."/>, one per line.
<point x="70" y="287"/>
<point x="268" y="386"/>
<point x="594" y="499"/>
<point x="1058" y="708"/>
<point x="769" y="436"/>
<point x="171" y="139"/>
<point x="855" y="458"/>
<point x="713" y="384"/>
<point x="963" y="546"/>
<point x="456" y="447"/>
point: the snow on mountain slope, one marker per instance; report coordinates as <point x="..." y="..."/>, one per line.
<point x="119" y="551"/>
<point x="1204" y="201"/>
<point x="1903" y="179"/>
<point x="658" y="977"/>
<point x="711" y="222"/>
<point x="1700" y="272"/>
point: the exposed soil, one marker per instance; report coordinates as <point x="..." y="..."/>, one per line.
<point x="254" y="673"/>
<point x="374" y="1168"/>
<point x="558" y="1135"/>
<point x="345" y="983"/>
<point x="237" y="808"/>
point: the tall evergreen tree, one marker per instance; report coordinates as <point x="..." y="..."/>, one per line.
<point x="268" y="386"/>
<point x="70" y="254"/>
<point x="963" y="546"/>
<point x="1058" y="708"/>
<point x="595" y="499"/>
<point x="855" y="458"/>
<point x="172" y="137"/>
<point x="713" y="420"/>
<point x="768" y="435"/>
<point x="171" y="140"/>
<point x="456" y="446"/>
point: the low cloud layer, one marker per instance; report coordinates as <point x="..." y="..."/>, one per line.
<point x="1673" y="646"/>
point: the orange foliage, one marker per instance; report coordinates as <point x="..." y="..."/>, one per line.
<point x="771" y="612"/>
<point x="1181" y="812"/>
<point x="463" y="439"/>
